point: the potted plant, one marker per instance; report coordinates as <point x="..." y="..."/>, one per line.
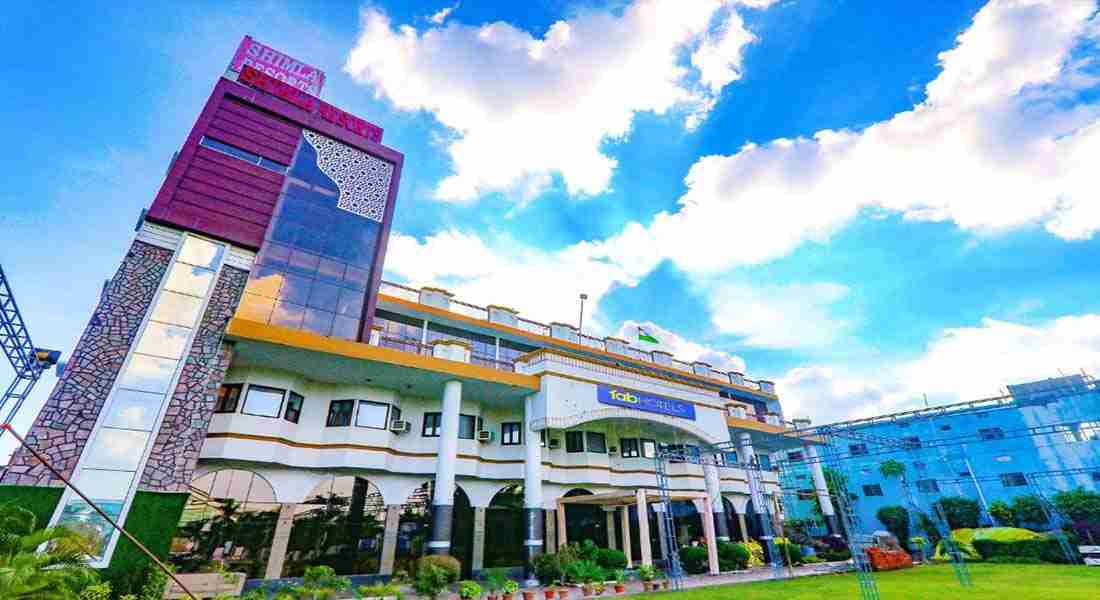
<point x="620" y="581"/>
<point x="600" y="588"/>
<point x="549" y="592"/>
<point x="430" y="581"/>
<point x="509" y="588"/>
<point x="663" y="577"/>
<point x="563" y="592"/>
<point x="528" y="594"/>
<point x="494" y="580"/>
<point x="647" y="573"/>
<point x="469" y="590"/>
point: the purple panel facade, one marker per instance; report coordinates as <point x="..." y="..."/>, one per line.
<point x="62" y="428"/>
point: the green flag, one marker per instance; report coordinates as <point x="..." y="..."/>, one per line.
<point x="643" y="336"/>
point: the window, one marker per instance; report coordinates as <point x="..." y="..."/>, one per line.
<point x="597" y="442"/>
<point x="731" y="458"/>
<point x="911" y="442"/>
<point x="293" y="407"/>
<point x="945" y="428"/>
<point x="903" y="425"/>
<point x="372" y="414"/>
<point x="228" y="396"/>
<point x="1013" y="479"/>
<point x="542" y="438"/>
<point x="1096" y="476"/>
<point x="263" y="401"/>
<point x="431" y="424"/>
<point x="991" y="433"/>
<point x="964" y="473"/>
<point x="468" y="426"/>
<point x="511" y="434"/>
<point x="395" y="414"/>
<point x="806" y="494"/>
<point x="242" y="154"/>
<point x="339" y="413"/>
<point x="872" y="490"/>
<point x="574" y="441"/>
<point x="928" y="486"/>
<point x="649" y="448"/>
<point x="920" y="466"/>
<point x="764" y="461"/>
<point x="795" y="456"/>
<point x="398" y="327"/>
<point x="629" y="448"/>
<point x="858" y="449"/>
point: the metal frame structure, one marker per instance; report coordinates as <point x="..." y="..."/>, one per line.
<point x="26" y="360"/>
<point x="837" y="459"/>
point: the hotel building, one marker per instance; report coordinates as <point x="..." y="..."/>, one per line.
<point x="248" y="379"/>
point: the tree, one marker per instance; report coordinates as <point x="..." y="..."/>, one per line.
<point x="891" y="468"/>
<point x="896" y="521"/>
<point x="1028" y="510"/>
<point x="1082" y="508"/>
<point x="1002" y="513"/>
<point x="58" y="572"/>
<point x="959" y="512"/>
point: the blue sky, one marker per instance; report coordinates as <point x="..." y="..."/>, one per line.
<point x="866" y="202"/>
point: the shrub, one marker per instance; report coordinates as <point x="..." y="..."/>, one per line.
<point x="959" y="512"/>
<point x="582" y="571"/>
<point x="788" y="551"/>
<point x="891" y="468"/>
<point x="835" y="555"/>
<point x="1042" y="549"/>
<point x="430" y="579"/>
<point x="896" y="521"/>
<point x="322" y="581"/>
<point x="1083" y="510"/>
<point x="469" y="590"/>
<point x="928" y="527"/>
<point x="377" y="591"/>
<point x="99" y="591"/>
<point x="732" y="556"/>
<point x="448" y="564"/>
<point x="610" y="558"/>
<point x="548" y="568"/>
<point x="495" y="578"/>
<point x="1028" y="510"/>
<point x="756" y="553"/>
<point x="1014" y="560"/>
<point x="694" y="559"/>
<point x="1002" y="513"/>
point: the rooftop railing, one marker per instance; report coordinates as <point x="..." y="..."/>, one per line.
<point x="442" y="299"/>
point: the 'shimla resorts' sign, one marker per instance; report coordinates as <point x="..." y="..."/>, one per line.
<point x="615" y="396"/>
<point x="271" y="62"/>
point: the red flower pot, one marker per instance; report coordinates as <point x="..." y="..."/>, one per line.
<point x="620" y="588"/>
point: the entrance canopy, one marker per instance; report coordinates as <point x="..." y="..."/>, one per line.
<point x="625" y="498"/>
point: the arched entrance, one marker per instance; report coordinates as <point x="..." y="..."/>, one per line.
<point x="340" y="524"/>
<point x="732" y="521"/>
<point x="585" y="521"/>
<point x="415" y="526"/>
<point x="504" y="529"/>
<point x="229" y="517"/>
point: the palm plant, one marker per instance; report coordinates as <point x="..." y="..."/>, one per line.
<point x="58" y="572"/>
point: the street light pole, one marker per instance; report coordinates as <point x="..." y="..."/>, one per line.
<point x="580" y="322"/>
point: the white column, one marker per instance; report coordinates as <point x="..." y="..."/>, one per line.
<point x="708" y="535"/>
<point x="718" y="510"/>
<point x="821" y="488"/>
<point x="625" y="514"/>
<point x="389" y="539"/>
<point x="283" y="525"/>
<point x="532" y="487"/>
<point x="550" y="531"/>
<point x="477" y="560"/>
<point x="643" y="529"/>
<point x="662" y="533"/>
<point x="563" y="539"/>
<point x="443" y="498"/>
<point x="609" y="515"/>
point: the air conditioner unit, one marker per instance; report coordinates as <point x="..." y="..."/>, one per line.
<point x="555" y="443"/>
<point x="485" y="436"/>
<point x="400" y="426"/>
<point x="612" y="450"/>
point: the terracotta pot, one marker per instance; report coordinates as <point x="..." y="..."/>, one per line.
<point x="506" y="596"/>
<point x="563" y="593"/>
<point x="586" y="590"/>
<point x="528" y="595"/>
<point x="491" y="597"/>
<point x="548" y="594"/>
<point x="620" y="588"/>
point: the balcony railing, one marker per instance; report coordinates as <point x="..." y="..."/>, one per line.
<point x="415" y="347"/>
<point x="440" y="298"/>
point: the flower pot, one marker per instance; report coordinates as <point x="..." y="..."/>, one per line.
<point x="491" y="597"/>
<point x="647" y="586"/>
<point x="563" y="593"/>
<point x="664" y="585"/>
<point x="620" y="588"/>
<point x="586" y="589"/>
<point x="506" y="597"/>
<point x="528" y="595"/>
<point x="548" y="594"/>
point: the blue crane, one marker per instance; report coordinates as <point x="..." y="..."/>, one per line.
<point x="28" y="361"/>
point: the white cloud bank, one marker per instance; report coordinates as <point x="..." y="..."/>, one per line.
<point x="1002" y="139"/>
<point x="523" y="107"/>
<point x="964" y="363"/>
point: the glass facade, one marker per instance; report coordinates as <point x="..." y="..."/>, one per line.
<point x="314" y="268"/>
<point x="113" y="456"/>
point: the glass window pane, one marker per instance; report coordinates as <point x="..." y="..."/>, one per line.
<point x="351" y="303"/>
<point x="274" y="255"/>
<point x="345" y="328"/>
<point x="148" y="373"/>
<point x="132" y="409"/>
<point x="100" y="485"/>
<point x="466" y="426"/>
<point x="160" y="339"/>
<point x="177" y="309"/>
<point x="296" y="289"/>
<point x="372" y="414"/>
<point x="189" y="280"/>
<point x="116" y="449"/>
<point x="263" y="401"/>
<point x="201" y="253"/>
<point x="304" y="263"/>
<point x="288" y="315"/>
<point x="255" y="308"/>
<point x="330" y="270"/>
<point x="265" y="281"/>
<point x="324" y="296"/>
<point x="318" y="321"/>
<point x="78" y="515"/>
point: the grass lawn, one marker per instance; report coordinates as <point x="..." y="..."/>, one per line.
<point x="991" y="582"/>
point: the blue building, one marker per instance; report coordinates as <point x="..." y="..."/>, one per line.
<point x="984" y="449"/>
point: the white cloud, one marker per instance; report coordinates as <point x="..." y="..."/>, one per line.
<point x="679" y="347"/>
<point x="960" y="364"/>
<point x="523" y="107"/>
<point x="442" y="14"/>
<point x="778" y="316"/>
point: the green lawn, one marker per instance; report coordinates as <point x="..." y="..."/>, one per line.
<point x="991" y="582"/>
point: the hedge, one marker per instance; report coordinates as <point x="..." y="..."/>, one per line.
<point x="1043" y="549"/>
<point x="152" y="519"/>
<point x="39" y="500"/>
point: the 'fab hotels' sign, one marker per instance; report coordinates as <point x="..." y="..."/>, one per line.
<point x="616" y="396"/>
